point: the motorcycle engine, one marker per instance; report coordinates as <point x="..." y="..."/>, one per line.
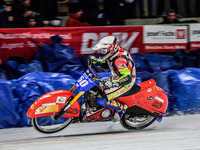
<point x="91" y="99"/>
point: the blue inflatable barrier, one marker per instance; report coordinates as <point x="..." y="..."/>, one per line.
<point x="57" y="57"/>
<point x="141" y="63"/>
<point x="160" y="63"/>
<point x="185" y="90"/>
<point x="9" y="117"/>
<point x="143" y="76"/>
<point x="190" y="59"/>
<point x="154" y="62"/>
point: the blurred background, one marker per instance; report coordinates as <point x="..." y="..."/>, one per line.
<point x="38" y="13"/>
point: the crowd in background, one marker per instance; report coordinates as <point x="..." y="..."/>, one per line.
<point x="31" y="13"/>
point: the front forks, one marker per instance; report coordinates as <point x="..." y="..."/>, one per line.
<point x="71" y="100"/>
<point x="62" y="110"/>
<point x="67" y="105"/>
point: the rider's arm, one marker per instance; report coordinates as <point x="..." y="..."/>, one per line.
<point x="104" y="64"/>
<point x="122" y="70"/>
<point x="99" y="62"/>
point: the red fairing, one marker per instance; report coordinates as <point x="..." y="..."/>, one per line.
<point x="50" y="103"/>
<point x="150" y="98"/>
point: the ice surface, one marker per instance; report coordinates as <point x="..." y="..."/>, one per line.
<point x="173" y="133"/>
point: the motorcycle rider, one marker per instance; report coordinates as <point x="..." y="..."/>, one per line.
<point x="123" y="71"/>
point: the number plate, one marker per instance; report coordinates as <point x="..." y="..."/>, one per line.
<point x="84" y="83"/>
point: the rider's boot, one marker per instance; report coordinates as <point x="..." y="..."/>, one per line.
<point x="111" y="104"/>
<point x="116" y="104"/>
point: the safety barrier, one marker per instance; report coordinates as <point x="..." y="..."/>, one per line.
<point x="181" y="86"/>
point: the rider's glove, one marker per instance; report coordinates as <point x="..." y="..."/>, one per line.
<point x="109" y="84"/>
<point x="100" y="83"/>
<point x="93" y="59"/>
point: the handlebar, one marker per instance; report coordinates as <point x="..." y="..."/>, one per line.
<point x="91" y="69"/>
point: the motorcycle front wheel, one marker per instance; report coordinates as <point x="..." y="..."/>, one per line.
<point x="135" y="121"/>
<point x="48" y="124"/>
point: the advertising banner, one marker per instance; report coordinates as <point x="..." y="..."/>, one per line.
<point x="27" y="41"/>
<point x="194" y="33"/>
<point x="164" y="38"/>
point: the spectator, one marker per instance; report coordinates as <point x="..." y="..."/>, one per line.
<point x="33" y="22"/>
<point x="170" y="18"/>
<point x="23" y="11"/>
<point x="173" y="5"/>
<point x="5" y="12"/>
<point x="74" y="19"/>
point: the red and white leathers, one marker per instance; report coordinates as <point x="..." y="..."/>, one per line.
<point x="123" y="73"/>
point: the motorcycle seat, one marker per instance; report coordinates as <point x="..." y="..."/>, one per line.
<point x="133" y="90"/>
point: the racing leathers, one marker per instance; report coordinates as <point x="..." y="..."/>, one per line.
<point x="122" y="78"/>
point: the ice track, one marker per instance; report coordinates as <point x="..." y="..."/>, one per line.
<point x="173" y="133"/>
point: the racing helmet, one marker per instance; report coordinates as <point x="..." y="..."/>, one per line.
<point x="107" y="45"/>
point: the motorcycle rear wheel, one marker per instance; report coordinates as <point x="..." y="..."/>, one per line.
<point x="136" y="122"/>
<point x="48" y="124"/>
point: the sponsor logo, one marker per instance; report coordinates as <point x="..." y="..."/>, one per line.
<point x="27" y="35"/>
<point x="122" y="66"/>
<point x="159" y="99"/>
<point x="60" y="99"/>
<point x="47" y="109"/>
<point x="195" y="45"/>
<point x="157" y="104"/>
<point x="160" y="33"/>
<point x="11" y="46"/>
<point x="195" y="32"/>
<point x="180" y="34"/>
<point x="149" y="90"/>
<point x="72" y="111"/>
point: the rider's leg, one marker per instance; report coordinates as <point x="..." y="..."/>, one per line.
<point x="108" y="96"/>
<point x="103" y="102"/>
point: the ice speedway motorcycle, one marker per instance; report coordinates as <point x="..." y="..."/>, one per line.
<point x="55" y="110"/>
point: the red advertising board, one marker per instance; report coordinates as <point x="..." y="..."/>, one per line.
<point x="27" y="41"/>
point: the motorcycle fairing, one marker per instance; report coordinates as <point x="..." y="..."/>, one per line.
<point x="99" y="115"/>
<point x="150" y="98"/>
<point x="50" y="103"/>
